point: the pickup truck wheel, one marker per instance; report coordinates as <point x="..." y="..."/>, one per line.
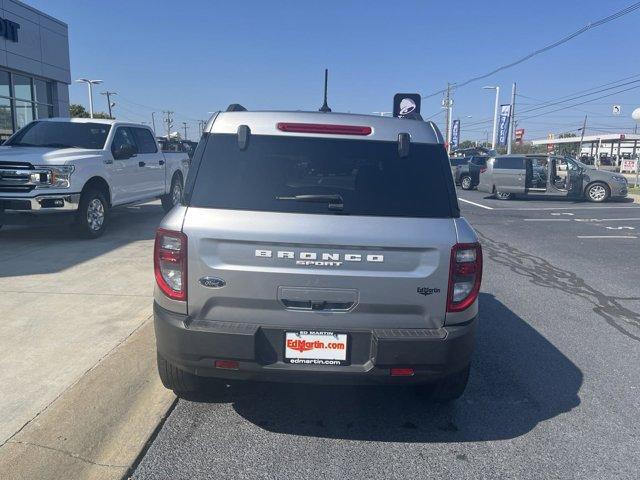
<point x="466" y="183"/>
<point x="449" y="388"/>
<point x="91" y="218"/>
<point x="177" y="380"/>
<point x="174" y="196"/>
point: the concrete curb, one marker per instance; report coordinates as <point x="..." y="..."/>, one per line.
<point x="100" y="425"/>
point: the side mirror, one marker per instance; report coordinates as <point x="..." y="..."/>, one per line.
<point x="125" y="151"/>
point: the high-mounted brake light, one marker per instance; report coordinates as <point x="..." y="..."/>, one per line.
<point x="465" y="276"/>
<point x="324" y="128"/>
<point x="170" y="263"/>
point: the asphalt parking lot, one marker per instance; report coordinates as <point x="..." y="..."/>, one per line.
<point x="554" y="389"/>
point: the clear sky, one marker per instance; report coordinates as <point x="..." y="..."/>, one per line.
<point x="197" y="56"/>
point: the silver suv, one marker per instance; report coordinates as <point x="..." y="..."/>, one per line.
<point x="317" y="247"/>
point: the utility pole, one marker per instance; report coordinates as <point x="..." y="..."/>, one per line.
<point x="169" y="121"/>
<point x="153" y="121"/>
<point x="184" y="124"/>
<point x="511" y="131"/>
<point x="447" y="103"/>
<point x="584" y="127"/>
<point x="109" y="104"/>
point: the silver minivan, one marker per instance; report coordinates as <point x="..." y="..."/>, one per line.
<point x="506" y="176"/>
<point x="317" y="247"/>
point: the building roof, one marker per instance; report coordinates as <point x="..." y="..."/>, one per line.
<point x="605" y="137"/>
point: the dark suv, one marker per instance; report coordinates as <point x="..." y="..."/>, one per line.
<point x="468" y="175"/>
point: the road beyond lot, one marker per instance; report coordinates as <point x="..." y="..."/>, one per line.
<point x="554" y="389"/>
<point x="66" y="303"/>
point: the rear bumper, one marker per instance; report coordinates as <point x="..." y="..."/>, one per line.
<point x="194" y="346"/>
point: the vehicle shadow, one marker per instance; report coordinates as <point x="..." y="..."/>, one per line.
<point x="518" y="380"/>
<point x="49" y="249"/>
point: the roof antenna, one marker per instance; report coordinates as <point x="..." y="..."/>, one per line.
<point x="325" y="107"/>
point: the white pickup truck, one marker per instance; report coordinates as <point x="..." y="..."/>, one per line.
<point x="80" y="168"/>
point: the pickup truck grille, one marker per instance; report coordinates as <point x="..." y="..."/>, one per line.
<point x="16" y="177"/>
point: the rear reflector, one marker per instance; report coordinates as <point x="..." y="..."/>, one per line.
<point x="227" y="364"/>
<point x="324" y="128"/>
<point x="402" y="372"/>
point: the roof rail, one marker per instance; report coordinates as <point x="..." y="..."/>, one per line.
<point x="236" y="107"/>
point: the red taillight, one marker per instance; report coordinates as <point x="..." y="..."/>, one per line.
<point x="483" y="169"/>
<point x="170" y="263"/>
<point x="324" y="128"/>
<point x="465" y="276"/>
<point x="402" y="372"/>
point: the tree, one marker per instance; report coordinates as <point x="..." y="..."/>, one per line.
<point x="467" y="144"/>
<point x="568" y="149"/>
<point x="78" y="111"/>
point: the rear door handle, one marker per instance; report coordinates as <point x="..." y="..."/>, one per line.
<point x="161" y="162"/>
<point x="141" y="164"/>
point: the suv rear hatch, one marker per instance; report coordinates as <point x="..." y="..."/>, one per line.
<point x="347" y="229"/>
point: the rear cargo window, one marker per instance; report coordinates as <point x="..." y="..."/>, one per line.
<point x="369" y="177"/>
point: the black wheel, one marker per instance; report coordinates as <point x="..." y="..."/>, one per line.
<point x="174" y="196"/>
<point x="466" y="183"/>
<point x="449" y="388"/>
<point x="91" y="218"/>
<point x="597" y="192"/>
<point x="503" y="195"/>
<point x="177" y="380"/>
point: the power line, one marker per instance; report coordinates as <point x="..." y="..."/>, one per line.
<point x="589" y="26"/>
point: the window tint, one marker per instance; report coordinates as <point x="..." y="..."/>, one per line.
<point x="61" y="135"/>
<point x="458" y="161"/>
<point x="122" y="137"/>
<point x="511" y="163"/>
<point x="369" y="176"/>
<point x="144" y="139"/>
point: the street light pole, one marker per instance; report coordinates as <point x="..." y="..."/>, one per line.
<point x="494" y="138"/>
<point x="90" y="84"/>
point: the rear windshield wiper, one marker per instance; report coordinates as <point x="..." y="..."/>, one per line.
<point x="335" y="201"/>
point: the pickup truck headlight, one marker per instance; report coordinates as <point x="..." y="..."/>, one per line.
<point x="58" y="176"/>
<point x="619" y="178"/>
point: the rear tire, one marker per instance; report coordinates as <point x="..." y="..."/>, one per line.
<point x="503" y="195"/>
<point x="174" y="197"/>
<point x="91" y="218"/>
<point x="466" y="183"/>
<point x="597" y="192"/>
<point x="449" y="388"/>
<point x="177" y="380"/>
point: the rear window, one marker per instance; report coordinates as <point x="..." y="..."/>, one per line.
<point x="369" y="176"/>
<point x="458" y="161"/>
<point x="509" y="163"/>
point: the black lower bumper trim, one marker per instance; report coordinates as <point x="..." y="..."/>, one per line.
<point x="194" y="346"/>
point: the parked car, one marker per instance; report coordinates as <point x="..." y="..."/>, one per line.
<point x="509" y="175"/>
<point x="78" y="169"/>
<point x="317" y="247"/>
<point x="457" y="162"/>
<point x="468" y="175"/>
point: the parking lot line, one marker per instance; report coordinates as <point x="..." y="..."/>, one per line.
<point x="605" y="219"/>
<point x="476" y="204"/>
<point x="547" y="219"/>
<point x="606" y="236"/>
<point x="563" y="208"/>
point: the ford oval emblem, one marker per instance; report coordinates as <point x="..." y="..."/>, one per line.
<point x="212" y="282"/>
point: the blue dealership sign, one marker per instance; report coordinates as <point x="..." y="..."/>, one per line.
<point x="455" y="134"/>
<point x="503" y="129"/>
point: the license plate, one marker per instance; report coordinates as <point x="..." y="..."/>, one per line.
<point x="315" y="348"/>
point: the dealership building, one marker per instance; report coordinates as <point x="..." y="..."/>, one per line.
<point x="34" y="66"/>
